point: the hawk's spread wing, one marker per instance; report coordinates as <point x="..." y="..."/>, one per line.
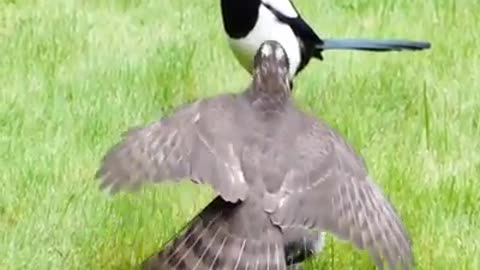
<point x="328" y="188"/>
<point x="195" y="142"/>
<point x="224" y="236"/>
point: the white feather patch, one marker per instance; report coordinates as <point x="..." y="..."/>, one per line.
<point x="283" y="6"/>
<point x="266" y="50"/>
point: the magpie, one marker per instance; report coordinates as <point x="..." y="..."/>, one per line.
<point x="248" y="23"/>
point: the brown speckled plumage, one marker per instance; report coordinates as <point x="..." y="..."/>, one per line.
<point x="275" y="169"/>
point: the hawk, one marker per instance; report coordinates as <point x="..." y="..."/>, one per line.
<point x="277" y="171"/>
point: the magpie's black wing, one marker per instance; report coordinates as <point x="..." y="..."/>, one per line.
<point x="309" y="40"/>
<point x="301" y="244"/>
<point x="299" y="27"/>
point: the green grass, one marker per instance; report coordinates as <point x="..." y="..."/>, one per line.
<point x="75" y="74"/>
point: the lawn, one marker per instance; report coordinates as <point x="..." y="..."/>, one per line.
<point x="75" y="74"/>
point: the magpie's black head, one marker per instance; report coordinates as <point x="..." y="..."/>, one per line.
<point x="271" y="68"/>
<point x="239" y="16"/>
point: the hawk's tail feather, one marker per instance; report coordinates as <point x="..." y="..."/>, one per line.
<point x="212" y="242"/>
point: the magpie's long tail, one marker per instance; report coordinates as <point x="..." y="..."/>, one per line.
<point x="376" y="45"/>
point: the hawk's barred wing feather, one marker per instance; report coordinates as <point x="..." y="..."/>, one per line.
<point x="329" y="189"/>
<point x="187" y="144"/>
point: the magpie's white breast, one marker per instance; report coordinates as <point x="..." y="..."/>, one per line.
<point x="267" y="27"/>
